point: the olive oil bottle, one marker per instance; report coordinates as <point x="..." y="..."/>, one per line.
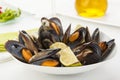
<point x="91" y="8"/>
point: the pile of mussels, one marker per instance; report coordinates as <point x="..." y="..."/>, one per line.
<point x="85" y="47"/>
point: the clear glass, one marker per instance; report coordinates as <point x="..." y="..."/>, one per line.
<point x="91" y="8"/>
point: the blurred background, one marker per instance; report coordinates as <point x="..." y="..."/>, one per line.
<point x="65" y="7"/>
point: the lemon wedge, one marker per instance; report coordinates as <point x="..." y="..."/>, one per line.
<point x="58" y="45"/>
<point x="67" y="57"/>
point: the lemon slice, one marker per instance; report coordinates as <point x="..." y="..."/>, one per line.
<point x="67" y="57"/>
<point x="58" y="45"/>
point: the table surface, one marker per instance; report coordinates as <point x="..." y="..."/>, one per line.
<point x="110" y="71"/>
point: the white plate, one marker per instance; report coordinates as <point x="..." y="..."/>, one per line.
<point x="74" y="70"/>
<point x="91" y="19"/>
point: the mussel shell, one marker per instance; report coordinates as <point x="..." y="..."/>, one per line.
<point x="53" y="26"/>
<point x="110" y="46"/>
<point x="96" y="35"/>
<point x="15" y="48"/>
<point x="43" y="54"/>
<point x="28" y="41"/>
<point x="87" y="37"/>
<point x="80" y="37"/>
<point x="103" y="46"/>
<point x="92" y="56"/>
<point x="57" y="21"/>
<point x="45" y="22"/>
<point x="46" y="43"/>
<point x="78" y="49"/>
<point x="66" y="35"/>
<point x="46" y="38"/>
<point x="20" y="37"/>
<point x="48" y="32"/>
<point x="37" y="43"/>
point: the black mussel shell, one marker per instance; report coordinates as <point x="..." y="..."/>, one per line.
<point x="90" y="53"/>
<point x="87" y="37"/>
<point x="109" y="47"/>
<point x="66" y="35"/>
<point x="46" y="39"/>
<point x="59" y="25"/>
<point x="96" y="35"/>
<point x="43" y="54"/>
<point x="77" y="37"/>
<point x="27" y="39"/>
<point x="15" y="48"/>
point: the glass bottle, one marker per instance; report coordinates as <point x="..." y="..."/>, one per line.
<point x="91" y="8"/>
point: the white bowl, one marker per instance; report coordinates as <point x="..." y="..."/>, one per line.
<point x="71" y="70"/>
<point x="74" y="70"/>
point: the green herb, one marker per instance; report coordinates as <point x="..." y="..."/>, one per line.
<point x="9" y="14"/>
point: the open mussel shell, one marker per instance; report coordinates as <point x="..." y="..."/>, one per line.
<point x="106" y="48"/>
<point x="57" y="25"/>
<point x="50" y="31"/>
<point x="77" y="37"/>
<point x="15" y="49"/>
<point x="26" y="39"/>
<point x="29" y="43"/>
<point x="52" y="25"/>
<point x="90" y="53"/>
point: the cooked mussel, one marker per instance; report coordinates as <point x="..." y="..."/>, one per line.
<point x="29" y="43"/>
<point x="22" y="53"/>
<point x="83" y="47"/>
<point x="77" y="37"/>
<point x="46" y="39"/>
<point x="48" y="62"/>
<point x="106" y="47"/>
<point x="15" y="48"/>
<point x="53" y="26"/>
<point x="57" y="25"/>
<point x="90" y="53"/>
